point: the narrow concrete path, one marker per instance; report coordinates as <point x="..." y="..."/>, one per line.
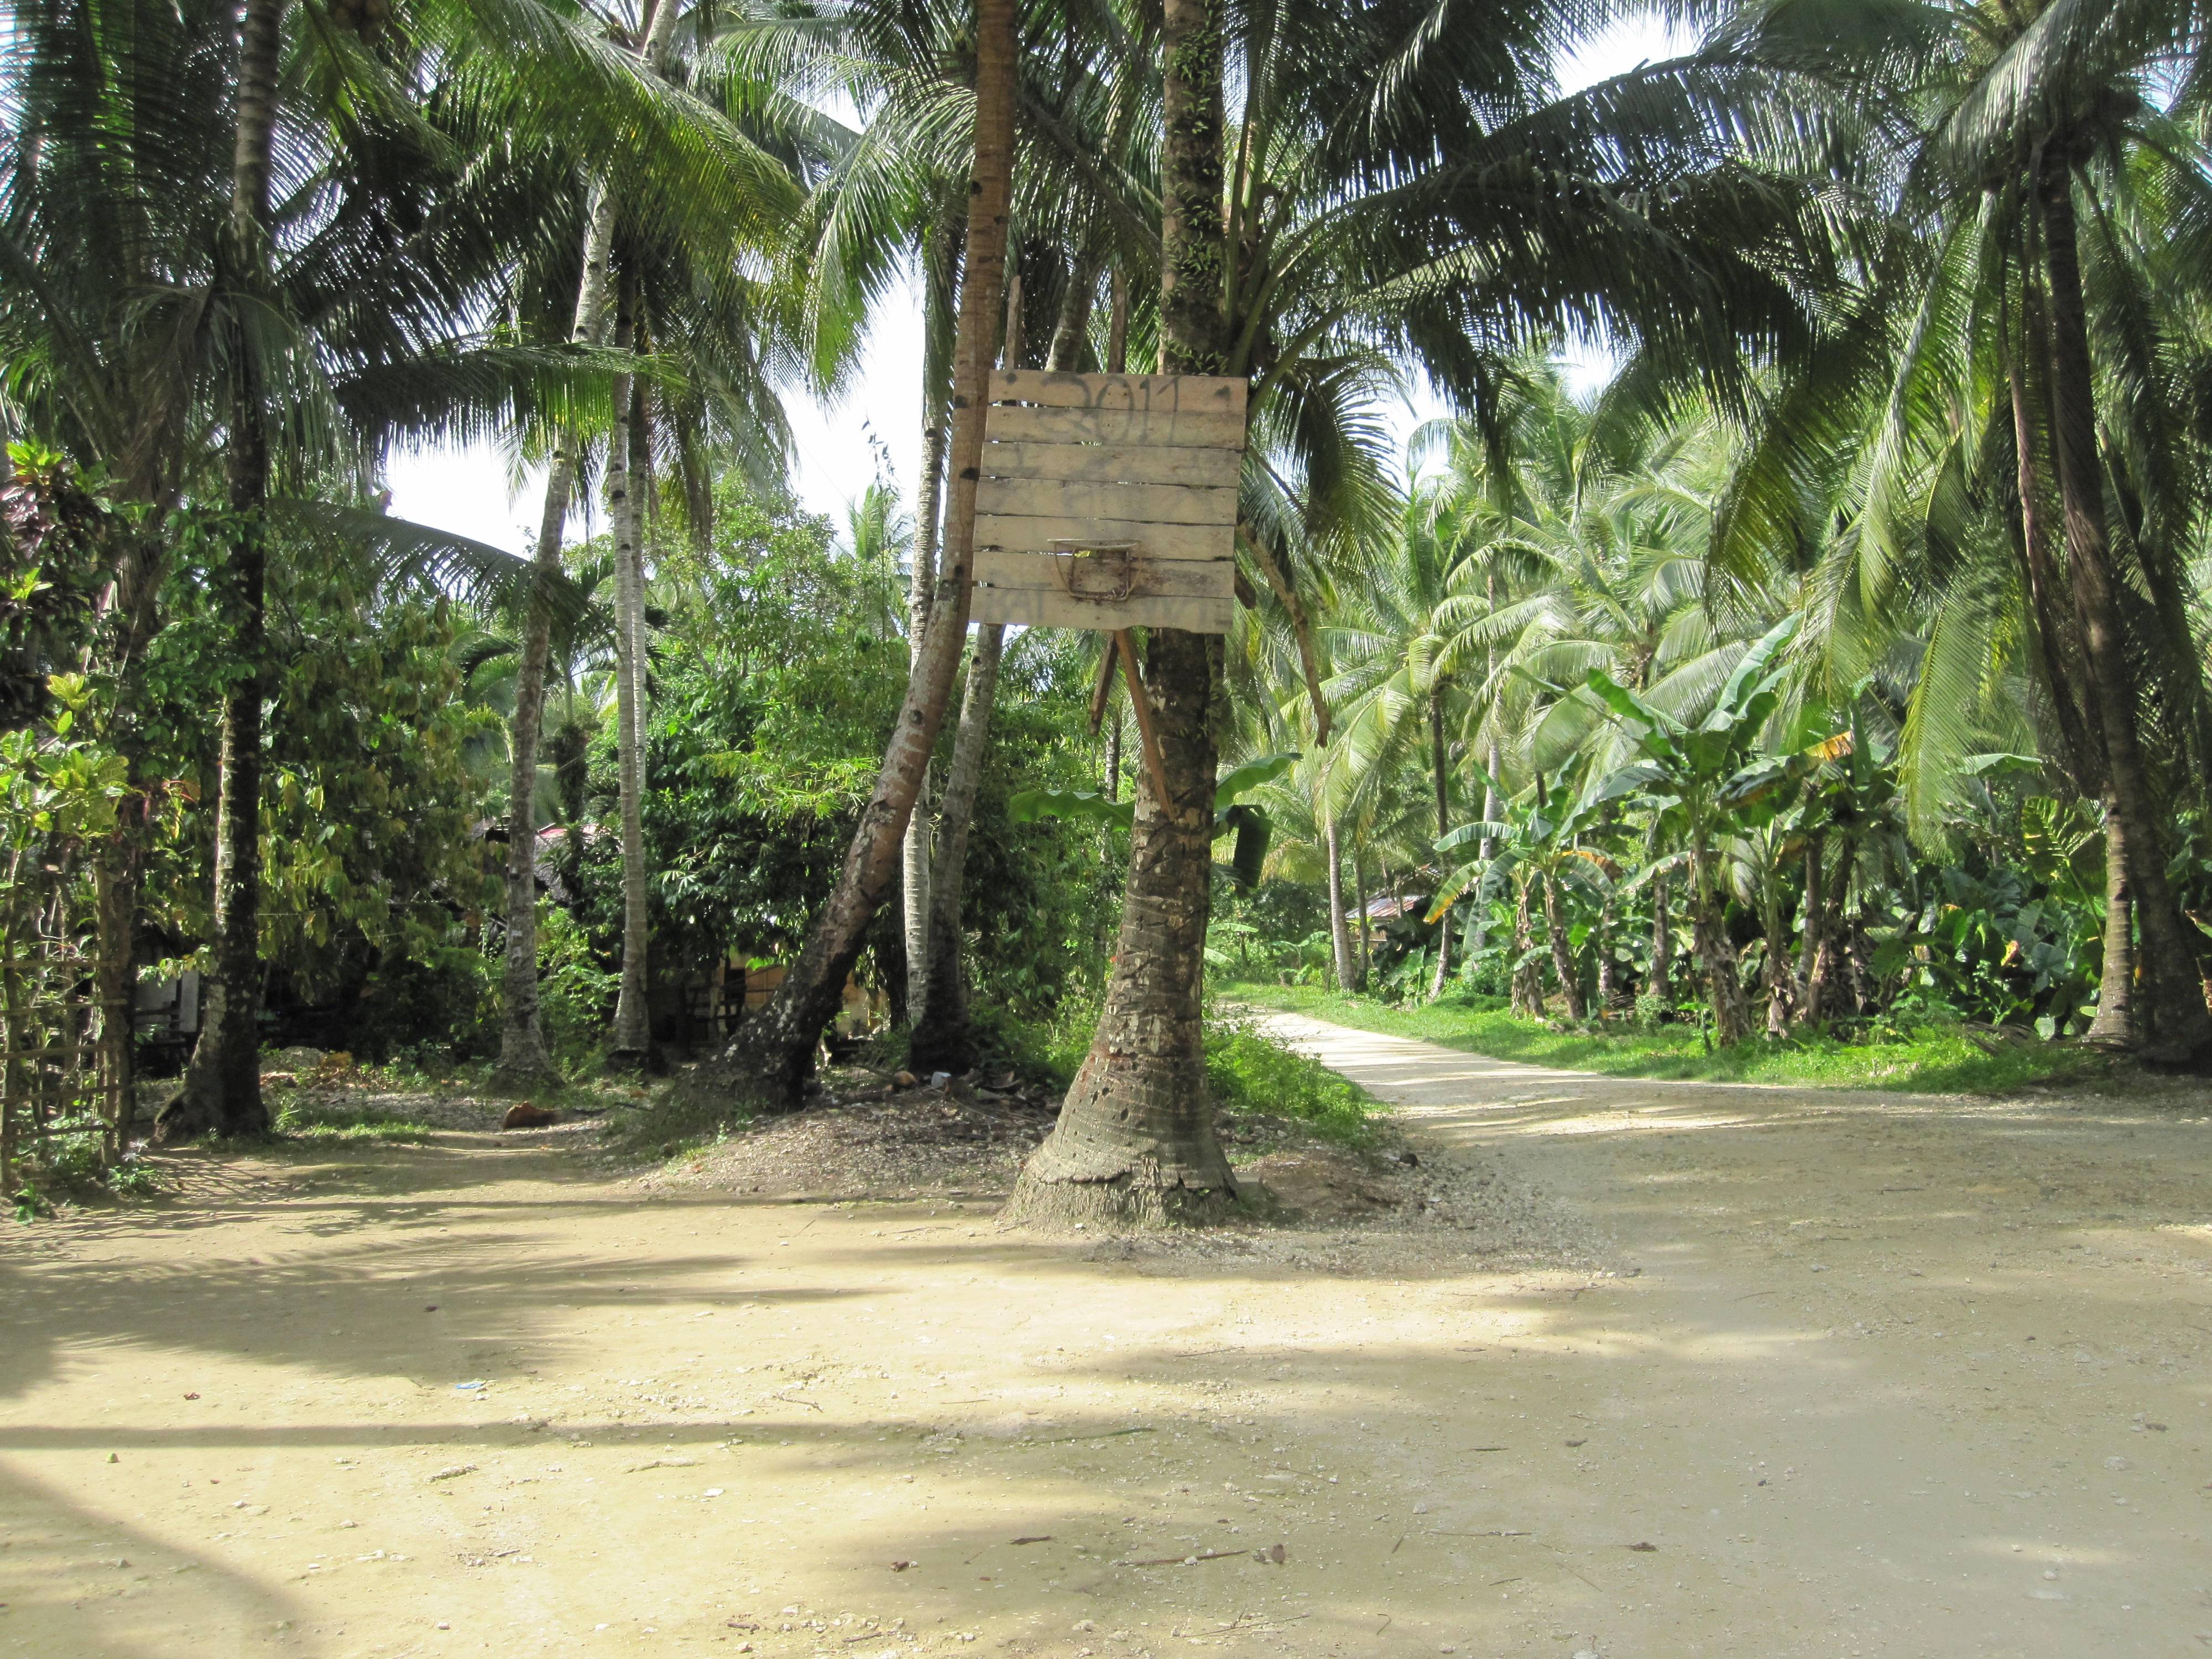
<point x="1885" y="1374"/>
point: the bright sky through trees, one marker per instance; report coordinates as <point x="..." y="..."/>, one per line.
<point x="472" y="491"/>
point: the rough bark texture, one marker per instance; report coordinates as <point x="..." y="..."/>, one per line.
<point x="942" y="1040"/>
<point x="223" y="1086"/>
<point x="1136" y="1143"/>
<point x="524" y="1062"/>
<point x="2175" y="1024"/>
<point x="773" y="1053"/>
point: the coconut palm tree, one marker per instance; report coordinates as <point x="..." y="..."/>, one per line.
<point x="2037" y="163"/>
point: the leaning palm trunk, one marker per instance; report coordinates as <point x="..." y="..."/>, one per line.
<point x="942" y="1040"/>
<point x="1135" y="1141"/>
<point x="939" y="260"/>
<point x="774" y="1051"/>
<point x="2175" y="1023"/>
<point x="222" y="1087"/>
<point x="524" y="1062"/>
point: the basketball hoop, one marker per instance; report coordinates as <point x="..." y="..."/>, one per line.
<point x="1098" y="572"/>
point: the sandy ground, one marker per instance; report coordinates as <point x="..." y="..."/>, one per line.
<point x="1814" y="1375"/>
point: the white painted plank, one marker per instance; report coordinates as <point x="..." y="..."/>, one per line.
<point x="1041" y="498"/>
<point x="1153" y="578"/>
<point x="1168" y="428"/>
<point x="1112" y="464"/>
<point x="1036" y="534"/>
<point x="1034" y="607"/>
<point x="1188" y="392"/>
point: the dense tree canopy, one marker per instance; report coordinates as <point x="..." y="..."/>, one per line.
<point x="1835" y="670"/>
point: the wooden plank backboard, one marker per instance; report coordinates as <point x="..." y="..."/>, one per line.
<point x="1071" y="462"/>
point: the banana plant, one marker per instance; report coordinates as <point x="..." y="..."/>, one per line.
<point x="1701" y="781"/>
<point x="1536" y="847"/>
<point x="1250" y="824"/>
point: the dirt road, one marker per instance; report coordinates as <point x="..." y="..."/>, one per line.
<point x="1878" y="1376"/>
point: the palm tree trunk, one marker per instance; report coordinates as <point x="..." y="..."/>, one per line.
<point x="222" y="1087"/>
<point x="1563" y="954"/>
<point x="913" y="868"/>
<point x="2176" y="1024"/>
<point x="1339" y="930"/>
<point x="1359" y="899"/>
<point x="1808" y="1001"/>
<point x="774" y="1050"/>
<point x="1441" y="774"/>
<point x="1608" y="970"/>
<point x="633" y="1036"/>
<point x="1135" y="1141"/>
<point x="524" y="1062"/>
<point x="2071" y="689"/>
<point x="1661" y="974"/>
<point x="942" y="1039"/>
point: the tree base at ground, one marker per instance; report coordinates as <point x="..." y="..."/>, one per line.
<point x="1146" y="1197"/>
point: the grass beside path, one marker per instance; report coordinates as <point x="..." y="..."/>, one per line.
<point x="1933" y="1060"/>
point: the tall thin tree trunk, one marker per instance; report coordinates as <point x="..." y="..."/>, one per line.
<point x="524" y="1062"/>
<point x="2071" y="688"/>
<point x="632" y="1036"/>
<point x="1359" y="900"/>
<point x="929" y="496"/>
<point x="2176" y="1024"/>
<point x="942" y="1039"/>
<point x="1660" y="977"/>
<point x="222" y="1087"/>
<point x="774" y="1051"/>
<point x="1439" y="755"/>
<point x="1809" y="1012"/>
<point x="1339" y="930"/>
<point x="1135" y="1141"/>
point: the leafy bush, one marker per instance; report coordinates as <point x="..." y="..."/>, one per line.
<point x="1249" y="1070"/>
<point x="575" y="994"/>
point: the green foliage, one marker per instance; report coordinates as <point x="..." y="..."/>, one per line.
<point x="575" y="994"/>
<point x="1931" y="1057"/>
<point x="314" y="1119"/>
<point x="1249" y="1070"/>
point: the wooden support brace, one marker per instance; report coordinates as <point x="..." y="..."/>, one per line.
<point x="1104" y="690"/>
<point x="1141" y="700"/>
